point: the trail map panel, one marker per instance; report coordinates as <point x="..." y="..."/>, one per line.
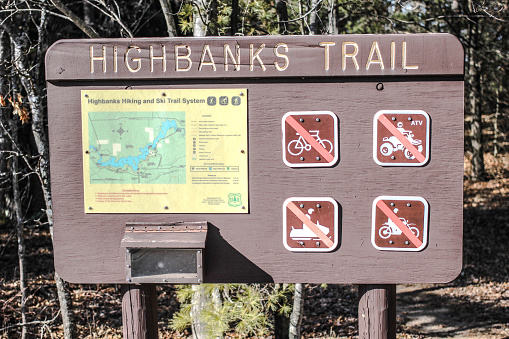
<point x="165" y="151"/>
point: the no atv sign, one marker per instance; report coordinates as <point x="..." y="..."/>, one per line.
<point x="401" y="138"/>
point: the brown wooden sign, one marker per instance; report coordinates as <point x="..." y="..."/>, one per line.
<point x="353" y="77"/>
<point x="267" y="56"/>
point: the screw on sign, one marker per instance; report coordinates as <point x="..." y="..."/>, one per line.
<point x="310" y="139"/>
<point x="310" y="224"/>
<point x="400" y="223"/>
<point x="401" y="138"/>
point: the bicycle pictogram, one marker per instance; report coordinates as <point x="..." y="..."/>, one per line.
<point x="299" y="145"/>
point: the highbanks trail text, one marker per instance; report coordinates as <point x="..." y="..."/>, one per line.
<point x="183" y="58"/>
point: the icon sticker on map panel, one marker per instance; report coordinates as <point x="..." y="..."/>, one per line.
<point x="310" y="224"/>
<point x="401" y="138"/>
<point x="400" y="223"/>
<point x="150" y="151"/>
<point x="310" y="139"/>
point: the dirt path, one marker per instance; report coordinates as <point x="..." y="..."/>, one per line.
<point x="473" y="311"/>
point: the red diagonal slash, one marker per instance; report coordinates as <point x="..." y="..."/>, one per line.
<point x="299" y="214"/>
<point x="310" y="140"/>
<point x="415" y="152"/>
<point x="395" y="219"/>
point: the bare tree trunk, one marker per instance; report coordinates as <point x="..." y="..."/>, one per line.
<point x="4" y="141"/>
<point x="297" y="311"/>
<point x="234" y="17"/>
<point x="199" y="15"/>
<point x="170" y="21"/>
<point x="474" y="75"/>
<point x="200" y="298"/>
<point x="282" y="14"/>
<point x="313" y="18"/>
<point x="199" y="302"/>
<point x="495" y="123"/>
<point x="218" y="304"/>
<point x="19" y="44"/>
<point x="302" y="19"/>
<point x="333" y="24"/>
<point x="19" y="228"/>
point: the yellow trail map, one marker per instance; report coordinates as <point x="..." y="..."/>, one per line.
<point x="165" y="151"/>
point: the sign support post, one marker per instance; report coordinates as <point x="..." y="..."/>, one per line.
<point x="139" y="311"/>
<point x="377" y="311"/>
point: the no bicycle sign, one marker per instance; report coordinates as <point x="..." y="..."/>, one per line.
<point x="310" y="139"/>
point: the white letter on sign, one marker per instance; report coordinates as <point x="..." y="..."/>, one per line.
<point x="94" y="58"/>
<point x="256" y="55"/>
<point x="137" y="60"/>
<point x="375" y="48"/>
<point x="350" y="55"/>
<point x="186" y="57"/>
<point x="280" y="55"/>
<point x="405" y="66"/>
<point x="327" y="54"/>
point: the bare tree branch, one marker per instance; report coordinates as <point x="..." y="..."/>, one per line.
<point x="81" y="24"/>
<point x="170" y="21"/>
<point x="302" y="16"/>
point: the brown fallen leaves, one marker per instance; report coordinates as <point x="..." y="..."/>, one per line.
<point x="17" y="105"/>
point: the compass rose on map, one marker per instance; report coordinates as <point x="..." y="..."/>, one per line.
<point x="120" y="131"/>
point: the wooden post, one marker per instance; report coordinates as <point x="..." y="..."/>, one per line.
<point x="139" y="311"/>
<point x="377" y="311"/>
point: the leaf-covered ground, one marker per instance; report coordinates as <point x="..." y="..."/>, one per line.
<point x="475" y="305"/>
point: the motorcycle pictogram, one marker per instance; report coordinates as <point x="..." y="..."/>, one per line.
<point x="389" y="228"/>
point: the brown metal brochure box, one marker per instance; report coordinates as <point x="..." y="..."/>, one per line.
<point x="165" y="253"/>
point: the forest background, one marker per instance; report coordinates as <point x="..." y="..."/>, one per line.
<point x="35" y="301"/>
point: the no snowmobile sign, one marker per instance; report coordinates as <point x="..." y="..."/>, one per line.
<point x="310" y="224"/>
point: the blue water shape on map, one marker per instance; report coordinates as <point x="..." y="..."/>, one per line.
<point x="134" y="161"/>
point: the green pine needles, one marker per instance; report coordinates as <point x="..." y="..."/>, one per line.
<point x="247" y="309"/>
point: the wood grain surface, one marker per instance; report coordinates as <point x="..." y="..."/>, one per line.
<point x="433" y="54"/>
<point x="249" y="247"/>
<point x="139" y="311"/>
<point x="377" y="311"/>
